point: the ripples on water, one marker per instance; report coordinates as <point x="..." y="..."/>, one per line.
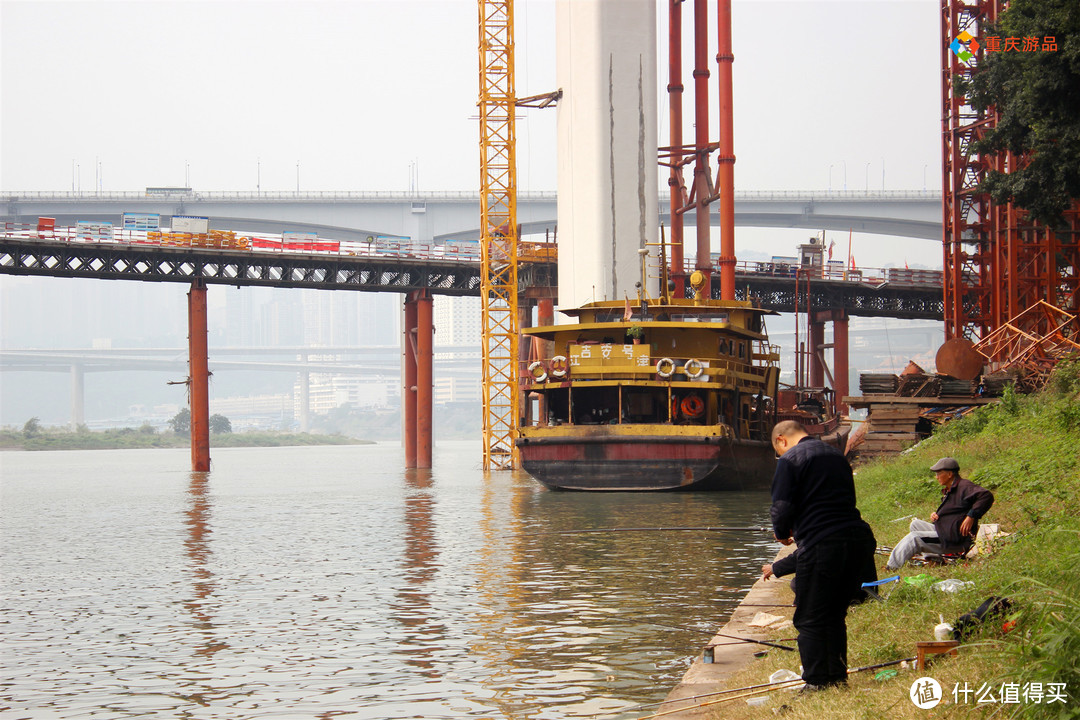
<point x="317" y="582"/>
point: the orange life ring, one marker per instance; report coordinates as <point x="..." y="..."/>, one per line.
<point x="692" y="406"/>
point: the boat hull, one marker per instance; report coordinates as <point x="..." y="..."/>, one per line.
<point x="647" y="462"/>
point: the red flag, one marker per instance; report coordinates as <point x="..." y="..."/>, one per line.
<point x="831" y="246"/>
<point x="628" y="312"/>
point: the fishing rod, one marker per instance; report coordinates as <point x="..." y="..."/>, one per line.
<point x="716" y="634"/>
<point x="759" y="642"/>
<point x="644" y="529"/>
<point x="758" y="689"/>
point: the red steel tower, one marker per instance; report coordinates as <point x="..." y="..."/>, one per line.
<point x="997" y="262"/>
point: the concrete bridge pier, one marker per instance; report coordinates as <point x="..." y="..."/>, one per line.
<point x="417" y="385"/>
<point x="78" y="395"/>
<point x="305" y="399"/>
<point x="198" y="377"/>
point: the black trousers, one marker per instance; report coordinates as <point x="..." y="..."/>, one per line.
<point x="829" y="575"/>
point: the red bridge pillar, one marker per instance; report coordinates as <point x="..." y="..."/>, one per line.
<point x="816" y="346"/>
<point x="840" y="358"/>
<point x="416" y="391"/>
<point x="425" y="332"/>
<point x="408" y="382"/>
<point x="198" y="378"/>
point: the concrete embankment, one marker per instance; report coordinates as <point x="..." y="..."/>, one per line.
<point x="729" y="656"/>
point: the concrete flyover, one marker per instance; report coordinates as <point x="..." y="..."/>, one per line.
<point x="436" y="217"/>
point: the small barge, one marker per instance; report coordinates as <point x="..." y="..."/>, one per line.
<point x="679" y="394"/>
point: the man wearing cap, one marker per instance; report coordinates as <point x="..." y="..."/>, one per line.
<point x="953" y="526"/>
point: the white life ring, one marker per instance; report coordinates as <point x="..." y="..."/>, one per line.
<point x="693" y="368"/>
<point x="541" y="376"/>
<point x="559" y="366"/>
<point x="665" y="367"/>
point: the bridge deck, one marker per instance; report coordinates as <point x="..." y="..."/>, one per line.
<point x="434" y="270"/>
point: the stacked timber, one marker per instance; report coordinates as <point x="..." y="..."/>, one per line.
<point x="954" y="387"/>
<point x="904" y="409"/>
<point x="919" y="385"/>
<point x="878" y="383"/>
<point x="891" y="428"/>
<point x="993" y="384"/>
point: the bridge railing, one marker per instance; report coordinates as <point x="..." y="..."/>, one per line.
<point x="457" y="251"/>
<point x="463" y="195"/>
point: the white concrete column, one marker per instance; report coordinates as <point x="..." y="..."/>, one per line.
<point x="607" y="165"/>
<point x="78" y="394"/>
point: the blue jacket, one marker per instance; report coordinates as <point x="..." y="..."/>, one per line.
<point x="813" y="494"/>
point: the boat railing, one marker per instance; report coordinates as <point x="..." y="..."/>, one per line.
<point x="616" y="361"/>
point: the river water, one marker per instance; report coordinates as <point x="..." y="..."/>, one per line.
<point x="324" y="581"/>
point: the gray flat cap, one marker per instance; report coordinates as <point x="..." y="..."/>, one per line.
<point x="945" y="463"/>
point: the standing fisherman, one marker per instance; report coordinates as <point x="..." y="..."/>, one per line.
<point x="813" y="503"/>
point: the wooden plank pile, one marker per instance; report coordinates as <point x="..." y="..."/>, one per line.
<point x="891" y="428"/>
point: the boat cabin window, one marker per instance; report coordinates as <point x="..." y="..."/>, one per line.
<point x="558" y="406"/>
<point x="717" y="318"/>
<point x="742" y="350"/>
<point x="644" y="405"/>
<point x="594" y="405"/>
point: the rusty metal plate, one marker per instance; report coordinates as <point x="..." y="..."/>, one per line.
<point x="959" y="358"/>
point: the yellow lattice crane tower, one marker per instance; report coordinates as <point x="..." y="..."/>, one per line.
<point x="498" y="233"/>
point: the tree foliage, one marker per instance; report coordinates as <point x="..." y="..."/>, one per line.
<point x="1037" y="99"/>
<point x="181" y="422"/>
<point x="32" y="427"/>
<point x="220" y="425"/>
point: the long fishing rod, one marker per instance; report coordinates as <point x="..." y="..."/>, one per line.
<point x="716" y="634"/>
<point x="761" y="688"/>
<point x="644" y="529"/>
<point x="759" y="642"/>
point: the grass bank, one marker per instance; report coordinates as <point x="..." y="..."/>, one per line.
<point x="1027" y="451"/>
<point x="128" y="438"/>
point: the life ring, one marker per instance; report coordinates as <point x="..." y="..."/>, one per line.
<point x="692" y="406"/>
<point x="664" y="367"/>
<point x="559" y="366"/>
<point x="693" y="368"/>
<point x="541" y="376"/>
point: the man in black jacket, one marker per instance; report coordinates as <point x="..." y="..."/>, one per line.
<point x="953" y="526"/>
<point x="813" y="504"/>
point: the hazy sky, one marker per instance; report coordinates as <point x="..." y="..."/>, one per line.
<point x="228" y="94"/>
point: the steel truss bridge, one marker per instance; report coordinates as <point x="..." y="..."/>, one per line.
<point x="865" y="294"/>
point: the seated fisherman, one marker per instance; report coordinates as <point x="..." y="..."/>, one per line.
<point x="953" y="526"/>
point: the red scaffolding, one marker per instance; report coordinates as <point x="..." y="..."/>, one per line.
<point x="997" y="262"/>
